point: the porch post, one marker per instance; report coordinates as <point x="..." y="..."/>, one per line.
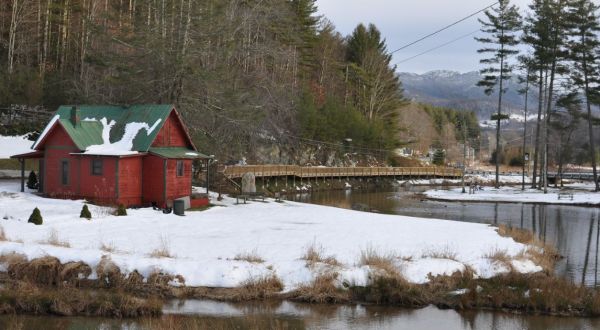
<point x="207" y="176"/>
<point x="22" y="161"/>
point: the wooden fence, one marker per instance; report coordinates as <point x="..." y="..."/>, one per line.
<point x="265" y="171"/>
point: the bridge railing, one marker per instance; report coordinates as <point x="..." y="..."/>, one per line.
<point x="335" y="172"/>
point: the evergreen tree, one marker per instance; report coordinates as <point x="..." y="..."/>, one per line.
<point x="121" y="211"/>
<point x="36" y="217"/>
<point x="584" y="47"/>
<point x="377" y="91"/>
<point x="439" y="157"/>
<point x="32" y="181"/>
<point x="85" y="212"/>
<point x="502" y="24"/>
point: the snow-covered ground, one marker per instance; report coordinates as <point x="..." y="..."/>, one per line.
<point x="480" y="179"/>
<point x="204" y="244"/>
<point x="14" y="145"/>
<point x="582" y="195"/>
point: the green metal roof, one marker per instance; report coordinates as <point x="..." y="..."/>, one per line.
<point x="177" y="152"/>
<point x="88" y="131"/>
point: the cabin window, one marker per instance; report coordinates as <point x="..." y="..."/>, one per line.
<point x="180" y="168"/>
<point x="64" y="166"/>
<point x="97" y="166"/>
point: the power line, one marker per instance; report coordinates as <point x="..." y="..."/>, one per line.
<point x="444" y="28"/>
<point x="438" y="47"/>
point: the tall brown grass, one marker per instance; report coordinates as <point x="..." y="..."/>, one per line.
<point x="542" y="254"/>
<point x="384" y="262"/>
<point x="251" y="257"/>
<point x="315" y="254"/>
<point x="163" y="250"/>
<point x="54" y="240"/>
<point x="320" y="291"/>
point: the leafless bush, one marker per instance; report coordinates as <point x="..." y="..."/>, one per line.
<point x="54" y="240"/>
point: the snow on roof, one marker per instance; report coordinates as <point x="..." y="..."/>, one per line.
<point x="122" y="147"/>
<point x="46" y="130"/>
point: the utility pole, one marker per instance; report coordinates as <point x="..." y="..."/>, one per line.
<point x="464" y="155"/>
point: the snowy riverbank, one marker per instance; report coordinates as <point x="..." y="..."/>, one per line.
<point x="582" y="195"/>
<point x="207" y="248"/>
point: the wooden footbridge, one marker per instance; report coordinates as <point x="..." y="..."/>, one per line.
<point x="303" y="172"/>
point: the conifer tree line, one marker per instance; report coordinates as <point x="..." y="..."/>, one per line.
<point x="554" y="48"/>
<point x="240" y="72"/>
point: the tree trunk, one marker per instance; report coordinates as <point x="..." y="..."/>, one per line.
<point x="536" y="155"/>
<point x="498" y="122"/>
<point x="589" y="113"/>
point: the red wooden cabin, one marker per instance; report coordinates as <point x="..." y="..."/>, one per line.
<point x="136" y="156"/>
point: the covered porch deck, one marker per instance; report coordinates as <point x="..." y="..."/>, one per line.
<point x="22" y="158"/>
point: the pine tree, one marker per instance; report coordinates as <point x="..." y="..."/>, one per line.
<point x="584" y="47"/>
<point x="439" y="157"/>
<point x="85" y="212"/>
<point x="32" y="181"/>
<point x="121" y="211"/>
<point x="377" y="88"/>
<point x="502" y="25"/>
<point x="36" y="217"/>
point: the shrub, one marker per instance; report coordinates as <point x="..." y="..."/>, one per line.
<point x="32" y="181"/>
<point x="36" y="217"/>
<point x="85" y="212"/>
<point x="121" y="211"/>
<point x="516" y="161"/>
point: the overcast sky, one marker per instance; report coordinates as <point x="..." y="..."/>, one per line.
<point x="403" y="21"/>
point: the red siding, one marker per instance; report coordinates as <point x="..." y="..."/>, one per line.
<point x="172" y="134"/>
<point x="178" y="186"/>
<point x="153" y="180"/>
<point x="58" y="147"/>
<point x="98" y="188"/>
<point x="130" y="181"/>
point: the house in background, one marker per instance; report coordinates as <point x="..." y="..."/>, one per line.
<point x="139" y="155"/>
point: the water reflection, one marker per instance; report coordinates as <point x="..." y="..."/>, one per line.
<point x="574" y="231"/>
<point x="285" y="315"/>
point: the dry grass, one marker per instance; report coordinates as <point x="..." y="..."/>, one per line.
<point x="384" y="262"/>
<point x="26" y="298"/>
<point x="109" y="248"/>
<point x="320" y="291"/>
<point x="315" y="254"/>
<point x="519" y="235"/>
<point x="54" y="240"/>
<point x="444" y="253"/>
<point x="251" y="257"/>
<point x="12" y="258"/>
<point x="2" y="235"/>
<point x="501" y="257"/>
<point x="258" y="289"/>
<point x="542" y="254"/>
<point x="163" y="250"/>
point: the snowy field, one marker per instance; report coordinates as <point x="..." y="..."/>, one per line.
<point x="203" y="245"/>
<point x="478" y="178"/>
<point x="14" y="145"/>
<point x="582" y="195"/>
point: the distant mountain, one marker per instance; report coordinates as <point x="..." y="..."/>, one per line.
<point x="459" y="91"/>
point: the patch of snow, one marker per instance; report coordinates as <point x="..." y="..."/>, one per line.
<point x="14" y="145"/>
<point x="90" y="119"/>
<point x="191" y="154"/>
<point x="204" y="244"/>
<point x="514" y="195"/>
<point x="46" y="131"/>
<point x="125" y="145"/>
